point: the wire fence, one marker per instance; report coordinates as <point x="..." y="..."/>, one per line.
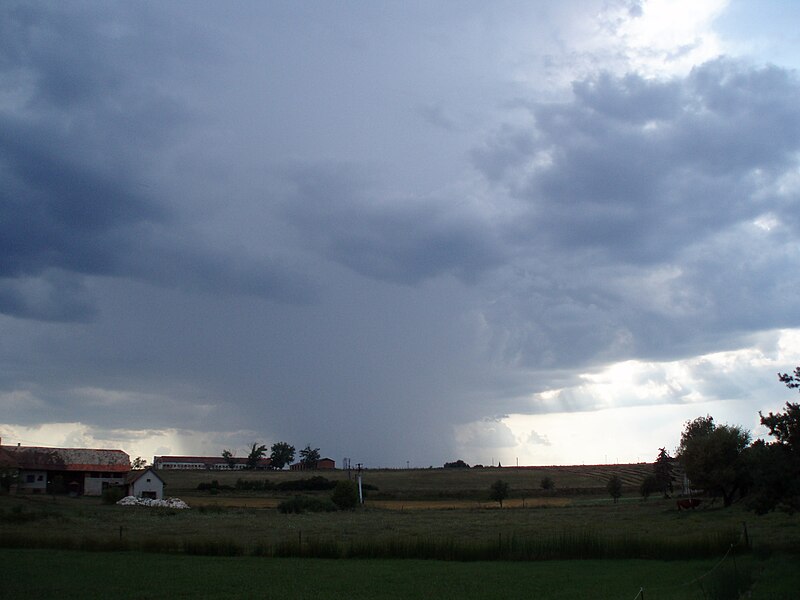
<point x="712" y="584"/>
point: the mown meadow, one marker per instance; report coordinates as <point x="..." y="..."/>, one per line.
<point x="432" y="514"/>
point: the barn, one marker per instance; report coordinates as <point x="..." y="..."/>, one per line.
<point x="322" y="464"/>
<point x="74" y="471"/>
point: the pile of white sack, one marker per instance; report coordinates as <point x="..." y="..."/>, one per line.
<point x="165" y="503"/>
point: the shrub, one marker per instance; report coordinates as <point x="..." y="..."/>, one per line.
<point x="113" y="494"/>
<point x="345" y="495"/>
<point x="18" y="514"/>
<point x="547" y="483"/>
<point x="649" y="486"/>
<point x="301" y="504"/>
<point x="213" y="487"/>
<point x="255" y="485"/>
<point x="316" y="483"/>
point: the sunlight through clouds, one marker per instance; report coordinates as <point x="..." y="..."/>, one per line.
<point x="665" y="37"/>
<point x="631" y="409"/>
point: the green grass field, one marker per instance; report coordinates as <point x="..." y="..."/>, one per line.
<point x="85" y="576"/>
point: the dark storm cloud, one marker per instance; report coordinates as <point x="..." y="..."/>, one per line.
<point x="638" y="169"/>
<point x="146" y="203"/>
<point x="57" y="212"/>
<point x="398" y="240"/>
<point x="638" y="231"/>
<point x="76" y="135"/>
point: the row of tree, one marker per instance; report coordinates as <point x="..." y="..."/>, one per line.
<point x="281" y="454"/>
<point x="722" y="461"/>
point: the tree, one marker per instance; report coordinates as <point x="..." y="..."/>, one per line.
<point x="775" y="467"/>
<point x="255" y="455"/>
<point x="712" y="456"/>
<point x="792" y="381"/>
<point x="309" y="457"/>
<point x="775" y="473"/>
<point x="662" y="471"/>
<point x="345" y="494"/>
<point x="498" y="491"/>
<point x="457" y="464"/>
<point x="230" y="458"/>
<point x="700" y="427"/>
<point x="282" y="454"/>
<point x="8" y="477"/>
<point x="548" y="484"/>
<point x="648" y="486"/>
<point x="138" y="463"/>
<point x="614" y="487"/>
<point x="785" y="426"/>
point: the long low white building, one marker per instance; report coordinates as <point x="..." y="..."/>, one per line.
<point x="210" y="463"/>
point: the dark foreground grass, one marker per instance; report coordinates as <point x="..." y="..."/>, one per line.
<point x="124" y="575"/>
<point x="583" y="545"/>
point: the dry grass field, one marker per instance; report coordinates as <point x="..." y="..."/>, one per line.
<point x="424" y="513"/>
<point x="435" y="484"/>
<point x="415" y="504"/>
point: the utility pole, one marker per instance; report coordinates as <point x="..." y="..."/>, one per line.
<point x="360" y="490"/>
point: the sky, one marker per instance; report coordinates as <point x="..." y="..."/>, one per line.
<point x="405" y="233"/>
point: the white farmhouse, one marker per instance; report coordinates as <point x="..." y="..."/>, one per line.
<point x="145" y="484"/>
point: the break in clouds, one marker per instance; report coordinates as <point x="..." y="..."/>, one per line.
<point x="202" y="231"/>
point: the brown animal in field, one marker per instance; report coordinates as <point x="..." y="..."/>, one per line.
<point x="687" y="503"/>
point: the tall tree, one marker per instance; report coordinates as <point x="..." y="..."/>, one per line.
<point x="498" y="491"/>
<point x="698" y="428"/>
<point x="282" y="454"/>
<point x="230" y="458"/>
<point x="309" y="457"/>
<point x="662" y="471"/>
<point x="775" y="467"/>
<point x="712" y="456"/>
<point x="256" y="453"/>
<point x="614" y="487"/>
<point x="785" y="426"/>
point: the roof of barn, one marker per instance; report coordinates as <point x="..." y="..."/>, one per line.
<point x="66" y="459"/>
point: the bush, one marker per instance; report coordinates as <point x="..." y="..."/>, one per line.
<point x="547" y="483"/>
<point x="345" y="495"/>
<point x="255" y="485"/>
<point x="316" y="484"/>
<point x="214" y="486"/>
<point x="113" y="494"/>
<point x="301" y="504"/>
<point x="18" y="514"/>
<point x="649" y="486"/>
